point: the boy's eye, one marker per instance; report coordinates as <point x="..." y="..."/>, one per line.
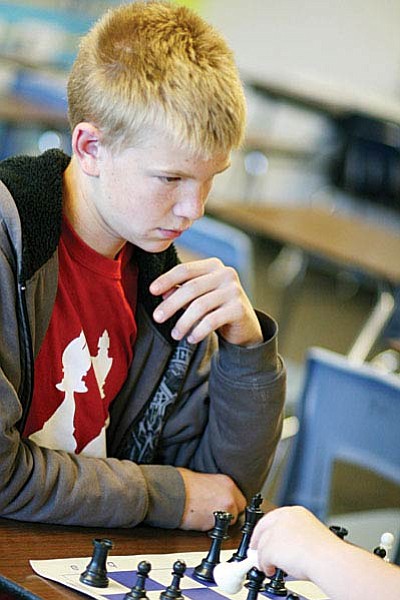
<point x="167" y="179"/>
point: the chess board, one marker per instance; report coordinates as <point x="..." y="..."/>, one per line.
<point x="122" y="577"/>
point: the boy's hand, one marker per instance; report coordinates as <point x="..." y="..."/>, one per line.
<point x="213" y="300"/>
<point x="206" y="493"/>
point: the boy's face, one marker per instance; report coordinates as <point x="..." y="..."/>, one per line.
<point x="149" y="195"/>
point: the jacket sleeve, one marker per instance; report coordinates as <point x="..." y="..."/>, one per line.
<point x="38" y="484"/>
<point x="50" y="486"/>
<point x="230" y="419"/>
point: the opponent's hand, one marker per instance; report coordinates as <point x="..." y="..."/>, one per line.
<point x="291" y="538"/>
<point x="206" y="493"/>
<point x="213" y="300"/>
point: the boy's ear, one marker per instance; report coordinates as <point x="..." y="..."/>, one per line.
<point x="85" y="145"/>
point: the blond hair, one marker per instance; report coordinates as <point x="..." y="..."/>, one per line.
<point x="155" y="65"/>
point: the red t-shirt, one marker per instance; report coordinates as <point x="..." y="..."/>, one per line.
<point x="88" y="348"/>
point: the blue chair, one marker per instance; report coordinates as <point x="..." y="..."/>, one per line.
<point x="208" y="237"/>
<point x="348" y="413"/>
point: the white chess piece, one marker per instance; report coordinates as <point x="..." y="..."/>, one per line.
<point x="102" y="362"/>
<point x="230" y="576"/>
<point x="387" y="540"/>
<point x="58" y="431"/>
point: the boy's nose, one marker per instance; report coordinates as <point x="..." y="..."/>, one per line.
<point x="191" y="205"/>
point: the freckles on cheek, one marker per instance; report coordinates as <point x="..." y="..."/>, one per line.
<point x="164" y="200"/>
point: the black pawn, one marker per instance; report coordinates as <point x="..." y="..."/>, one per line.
<point x="138" y="592"/>
<point x="341" y="532"/>
<point x="293" y="597"/>
<point x="96" y="572"/>
<point x="204" y="571"/>
<point x="277" y="583"/>
<point x="253" y="514"/>
<point x="379" y="551"/>
<point x="173" y="591"/>
<point x="254" y="583"/>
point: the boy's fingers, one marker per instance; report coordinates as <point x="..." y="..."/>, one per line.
<point x="183" y="273"/>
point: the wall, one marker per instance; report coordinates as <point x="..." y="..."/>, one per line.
<point x="354" y="43"/>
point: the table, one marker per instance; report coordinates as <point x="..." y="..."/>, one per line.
<point x="334" y="100"/>
<point x="18" y="111"/>
<point x="21" y="542"/>
<point x="344" y="240"/>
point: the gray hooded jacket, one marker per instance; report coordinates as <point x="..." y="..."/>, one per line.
<point x="228" y="414"/>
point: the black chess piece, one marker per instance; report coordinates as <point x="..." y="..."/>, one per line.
<point x="95" y="574"/>
<point x="204" y="571"/>
<point x="173" y="591"/>
<point x="253" y="514"/>
<point x="293" y="596"/>
<point x="341" y="532"/>
<point x="254" y="583"/>
<point x="379" y="551"/>
<point x="276" y="584"/>
<point x="138" y="592"/>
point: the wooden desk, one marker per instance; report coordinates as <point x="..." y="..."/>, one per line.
<point x="344" y="240"/>
<point x="21" y="542"/>
<point x="15" y="110"/>
<point x="333" y="100"/>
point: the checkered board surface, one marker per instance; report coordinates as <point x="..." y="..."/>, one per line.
<point x="121" y="571"/>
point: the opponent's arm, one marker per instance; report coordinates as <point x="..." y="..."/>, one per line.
<point x="292" y="539"/>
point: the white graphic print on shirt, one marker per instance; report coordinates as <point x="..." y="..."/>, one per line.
<point x="58" y="431"/>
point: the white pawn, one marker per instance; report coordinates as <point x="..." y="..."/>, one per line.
<point x="230" y="576"/>
<point x="387" y="540"/>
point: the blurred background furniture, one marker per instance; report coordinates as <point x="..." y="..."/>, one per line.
<point x="348" y="414"/>
<point x="362" y="247"/>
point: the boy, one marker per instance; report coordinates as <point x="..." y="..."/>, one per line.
<point x="133" y="388"/>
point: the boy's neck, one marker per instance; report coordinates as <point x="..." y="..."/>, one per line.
<point x="78" y="209"/>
